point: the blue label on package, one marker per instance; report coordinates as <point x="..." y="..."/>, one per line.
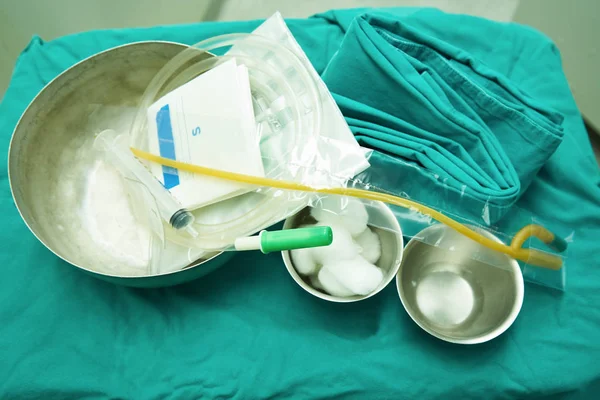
<point x="166" y="145"/>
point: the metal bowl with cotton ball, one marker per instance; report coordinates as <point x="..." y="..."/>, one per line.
<point x="362" y="260"/>
<point x="457" y="290"/>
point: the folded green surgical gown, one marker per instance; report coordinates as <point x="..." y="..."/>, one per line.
<point x="247" y="331"/>
<point x="449" y="130"/>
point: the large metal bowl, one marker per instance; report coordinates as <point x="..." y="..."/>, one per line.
<point x="51" y="154"/>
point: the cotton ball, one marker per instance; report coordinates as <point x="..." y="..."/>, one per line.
<point x="348" y="212"/>
<point x="357" y="275"/>
<point x="328" y="281"/>
<point x="342" y="247"/>
<point x="314" y="282"/>
<point x="304" y="261"/>
<point x="370" y="245"/>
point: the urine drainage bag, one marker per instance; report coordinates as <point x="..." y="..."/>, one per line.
<point x="310" y="158"/>
<point x="297" y="125"/>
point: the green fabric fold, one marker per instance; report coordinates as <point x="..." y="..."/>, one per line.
<point x="435" y="107"/>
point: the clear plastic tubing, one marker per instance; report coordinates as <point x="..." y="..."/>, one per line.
<point x="118" y="153"/>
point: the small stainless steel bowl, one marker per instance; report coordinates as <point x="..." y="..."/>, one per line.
<point x="51" y="153"/>
<point x="456" y="289"/>
<point x="392" y="245"/>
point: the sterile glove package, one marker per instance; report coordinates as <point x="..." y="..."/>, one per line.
<point x="281" y="144"/>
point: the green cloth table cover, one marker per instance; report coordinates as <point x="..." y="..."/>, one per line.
<point x="247" y="330"/>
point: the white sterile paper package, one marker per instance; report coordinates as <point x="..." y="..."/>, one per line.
<point x="207" y="121"/>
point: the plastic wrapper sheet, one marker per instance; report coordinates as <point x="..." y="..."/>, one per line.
<point x="308" y="155"/>
<point x="288" y="102"/>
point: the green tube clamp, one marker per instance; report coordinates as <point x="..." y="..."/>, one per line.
<point x="290" y="239"/>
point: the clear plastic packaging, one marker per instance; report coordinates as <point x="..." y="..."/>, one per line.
<point x="287" y="100"/>
<point x="150" y="206"/>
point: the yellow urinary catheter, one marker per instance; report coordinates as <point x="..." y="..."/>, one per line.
<point x="515" y="249"/>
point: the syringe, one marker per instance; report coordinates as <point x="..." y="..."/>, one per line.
<point x="117" y="151"/>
